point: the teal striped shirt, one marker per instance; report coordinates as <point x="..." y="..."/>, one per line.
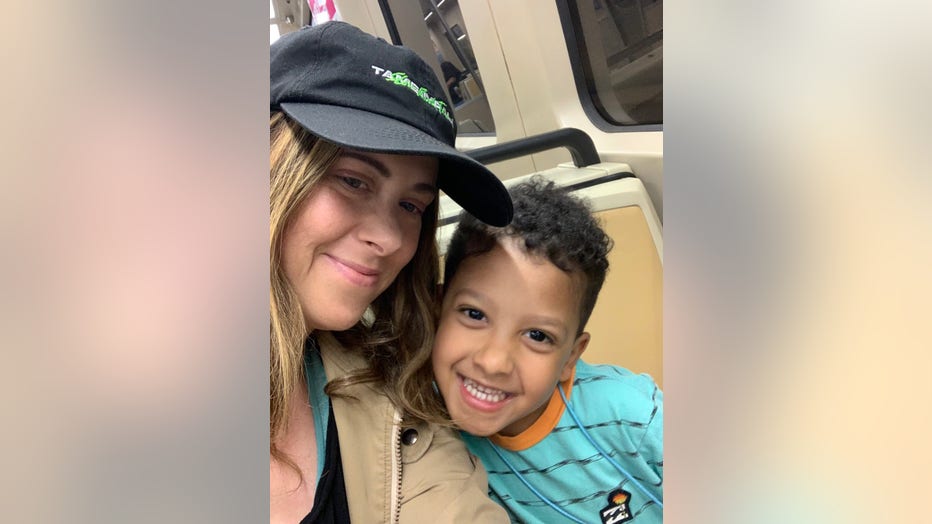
<point x="623" y="414"/>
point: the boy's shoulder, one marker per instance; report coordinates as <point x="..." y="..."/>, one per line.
<point x="617" y="385"/>
<point x="614" y="376"/>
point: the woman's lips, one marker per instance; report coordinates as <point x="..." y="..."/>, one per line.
<point x="355" y="273"/>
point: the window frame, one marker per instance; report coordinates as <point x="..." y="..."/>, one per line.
<point x="582" y="71"/>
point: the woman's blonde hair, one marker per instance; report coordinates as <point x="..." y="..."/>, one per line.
<point x="397" y="343"/>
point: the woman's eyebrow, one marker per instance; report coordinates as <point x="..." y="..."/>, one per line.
<point x="377" y="164"/>
<point x="382" y="169"/>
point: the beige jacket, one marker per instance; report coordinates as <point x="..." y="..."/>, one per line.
<point x="398" y="474"/>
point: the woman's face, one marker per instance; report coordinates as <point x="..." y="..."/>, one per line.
<point x="354" y="233"/>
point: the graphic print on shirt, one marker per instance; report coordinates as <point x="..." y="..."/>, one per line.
<point x="617" y="509"/>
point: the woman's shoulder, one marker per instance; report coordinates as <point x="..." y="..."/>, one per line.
<point x="443" y="482"/>
<point x="338" y="359"/>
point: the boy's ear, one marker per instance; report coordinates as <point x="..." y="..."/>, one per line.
<point x="578" y="347"/>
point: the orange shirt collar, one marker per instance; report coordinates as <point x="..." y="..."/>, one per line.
<point x="542" y="426"/>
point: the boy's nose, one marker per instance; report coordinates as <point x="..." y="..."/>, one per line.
<point x="494" y="357"/>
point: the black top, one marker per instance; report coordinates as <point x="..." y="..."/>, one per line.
<point x="450" y="71"/>
<point x="330" y="506"/>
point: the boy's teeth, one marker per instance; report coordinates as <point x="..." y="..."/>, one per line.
<point x="484" y="393"/>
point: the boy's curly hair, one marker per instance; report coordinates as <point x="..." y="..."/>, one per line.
<point x="552" y="224"/>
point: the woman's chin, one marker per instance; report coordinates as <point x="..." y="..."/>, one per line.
<point x="334" y="321"/>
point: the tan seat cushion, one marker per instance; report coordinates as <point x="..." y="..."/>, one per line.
<point x="627" y="325"/>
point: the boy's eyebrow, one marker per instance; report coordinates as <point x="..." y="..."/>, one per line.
<point x="552" y="322"/>
<point x="469" y="292"/>
<point x="382" y="169"/>
<point x="548" y="321"/>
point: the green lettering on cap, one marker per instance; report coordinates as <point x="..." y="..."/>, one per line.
<point x="401" y="79"/>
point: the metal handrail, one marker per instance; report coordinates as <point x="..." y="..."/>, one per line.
<point x="575" y="140"/>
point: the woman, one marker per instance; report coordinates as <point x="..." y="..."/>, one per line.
<point x="361" y="139"/>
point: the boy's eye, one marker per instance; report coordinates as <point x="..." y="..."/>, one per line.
<point x="538" y="336"/>
<point x="473" y="314"/>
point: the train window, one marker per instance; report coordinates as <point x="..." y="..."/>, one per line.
<point x="273" y="24"/>
<point x="286" y="16"/>
<point x="440" y="34"/>
<point x="616" y="47"/>
<point x="432" y="28"/>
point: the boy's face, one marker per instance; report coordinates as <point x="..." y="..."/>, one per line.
<point x="507" y="335"/>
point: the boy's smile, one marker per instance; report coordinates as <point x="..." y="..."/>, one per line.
<point x="507" y="335"/>
<point x="483" y="394"/>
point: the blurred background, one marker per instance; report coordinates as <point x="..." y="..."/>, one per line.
<point x="797" y="231"/>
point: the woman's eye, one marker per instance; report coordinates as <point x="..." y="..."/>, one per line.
<point x="538" y="336"/>
<point x="411" y="208"/>
<point x="473" y="314"/>
<point x="354" y="183"/>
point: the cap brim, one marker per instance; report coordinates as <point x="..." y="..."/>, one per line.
<point x="469" y="183"/>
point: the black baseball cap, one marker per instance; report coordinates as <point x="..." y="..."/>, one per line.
<point x="360" y="92"/>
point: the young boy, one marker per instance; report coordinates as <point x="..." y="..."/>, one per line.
<point x="562" y="440"/>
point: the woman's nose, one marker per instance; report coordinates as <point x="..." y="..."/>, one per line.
<point x="380" y="228"/>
